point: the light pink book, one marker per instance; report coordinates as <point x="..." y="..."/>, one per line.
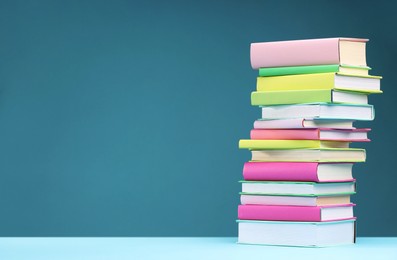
<point x="298" y="171"/>
<point x="296" y="213"/>
<point x="326" y="134"/>
<point x="299" y="123"/>
<point x="302" y="52"/>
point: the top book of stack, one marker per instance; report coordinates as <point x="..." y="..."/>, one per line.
<point x="346" y="55"/>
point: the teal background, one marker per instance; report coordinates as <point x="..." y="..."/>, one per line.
<point x="122" y="118"/>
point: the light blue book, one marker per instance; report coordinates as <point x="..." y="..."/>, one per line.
<point x="299" y="234"/>
<point x="320" y="111"/>
<point x="294" y="188"/>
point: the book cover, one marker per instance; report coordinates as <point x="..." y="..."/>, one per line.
<point x="302" y="123"/>
<point x="310" y="155"/>
<point x="370" y="84"/>
<point x="290" y="144"/>
<point x="294" y="200"/>
<point x="302" y="52"/>
<point x="297" y="234"/>
<point x="320" y="111"/>
<point x="284" y="97"/>
<point x="297" y="171"/>
<point x="297" y="188"/>
<point x="295" y="70"/>
<point x="295" y="213"/>
<point x="347" y="135"/>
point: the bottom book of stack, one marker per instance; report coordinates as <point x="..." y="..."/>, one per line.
<point x="289" y="233"/>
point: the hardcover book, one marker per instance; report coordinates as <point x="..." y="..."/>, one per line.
<point x="304" y="234"/>
<point x="342" y="51"/>
<point x="320" y="111"/>
<point x="291" y="188"/>
<point x="310" y="155"/>
<point x="292" y="123"/>
<point x="350" y="135"/>
<point x="369" y="84"/>
<point x="253" y="199"/>
<point x="289" y="144"/>
<point x="298" y="171"/>
<point x="295" y="213"/>
<point x="296" y="70"/>
<point x="267" y="98"/>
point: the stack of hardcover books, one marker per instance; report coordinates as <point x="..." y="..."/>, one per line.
<point x="297" y="186"/>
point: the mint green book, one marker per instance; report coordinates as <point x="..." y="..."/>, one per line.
<point x="287" y="97"/>
<point x="292" y="188"/>
<point x="340" y="69"/>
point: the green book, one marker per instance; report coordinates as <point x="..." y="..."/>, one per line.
<point x="340" y="69"/>
<point x="286" y="97"/>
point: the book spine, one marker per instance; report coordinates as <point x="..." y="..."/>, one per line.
<point x="279" y="213"/>
<point x="279" y="123"/>
<point x="283" y="71"/>
<point x="278" y="144"/>
<point x="285" y="134"/>
<point x="280" y="171"/>
<point x="268" y="98"/>
<point x="295" y="53"/>
<point x="296" y="82"/>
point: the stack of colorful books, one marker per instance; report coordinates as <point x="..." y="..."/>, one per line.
<point x="297" y="186"/>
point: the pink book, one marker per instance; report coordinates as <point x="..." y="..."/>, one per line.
<point x="300" y="52"/>
<point x="349" y="135"/>
<point x="298" y="171"/>
<point x="296" y="213"/>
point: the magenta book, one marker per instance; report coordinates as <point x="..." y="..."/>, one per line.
<point x="298" y="171"/>
<point x="295" y="213"/>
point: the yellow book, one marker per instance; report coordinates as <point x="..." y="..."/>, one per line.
<point x="289" y="144"/>
<point x="370" y="84"/>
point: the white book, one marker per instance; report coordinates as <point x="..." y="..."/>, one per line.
<point x="297" y="188"/>
<point x="305" y="234"/>
<point x="319" y="111"/>
<point x="296" y="123"/>
<point x="310" y="155"/>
